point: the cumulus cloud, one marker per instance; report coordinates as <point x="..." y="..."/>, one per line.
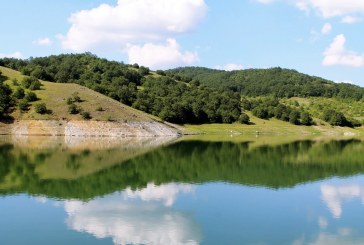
<point x="17" y="55"/>
<point x="160" y="56"/>
<point x="230" y="67"/>
<point x="132" y="21"/>
<point x="334" y="196"/>
<point x="337" y="54"/>
<point x="166" y="193"/>
<point x="326" y="29"/>
<point x="46" y="41"/>
<point x="130" y="221"/>
<point x="326" y="8"/>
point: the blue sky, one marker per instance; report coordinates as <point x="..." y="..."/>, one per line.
<point x="318" y="37"/>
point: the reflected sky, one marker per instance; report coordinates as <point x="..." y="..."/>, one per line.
<point x="136" y="217"/>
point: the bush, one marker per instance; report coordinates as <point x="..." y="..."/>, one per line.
<point x="23" y="105"/>
<point x="99" y="108"/>
<point x="19" y="93"/>
<point x="35" y="85"/>
<point x="86" y="115"/>
<point x="41" y="108"/>
<point x="15" y="82"/>
<point x="30" y="97"/>
<point x="31" y="83"/>
<point x="73" y="109"/>
<point x="306" y="119"/>
<point x="244" y="118"/>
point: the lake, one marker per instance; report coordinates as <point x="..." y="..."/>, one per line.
<point x="197" y="190"/>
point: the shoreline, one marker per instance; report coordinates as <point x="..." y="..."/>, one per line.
<point x="87" y="128"/>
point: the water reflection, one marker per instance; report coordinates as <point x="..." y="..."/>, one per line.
<point x="335" y="196"/>
<point x="188" y="192"/>
<point x="136" y="217"/>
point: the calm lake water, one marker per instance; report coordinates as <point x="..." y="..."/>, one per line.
<point x="270" y="190"/>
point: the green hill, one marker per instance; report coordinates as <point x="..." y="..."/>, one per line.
<point x="282" y="83"/>
<point x="194" y="95"/>
<point x="55" y="95"/>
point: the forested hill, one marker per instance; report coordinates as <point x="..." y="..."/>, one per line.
<point x="195" y="95"/>
<point x="282" y="83"/>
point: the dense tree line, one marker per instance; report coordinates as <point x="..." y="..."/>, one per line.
<point x="266" y="108"/>
<point x="179" y="103"/>
<point x="282" y="83"/>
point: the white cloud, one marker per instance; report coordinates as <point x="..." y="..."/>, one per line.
<point x="160" y="56"/>
<point x="152" y="192"/>
<point x="16" y="55"/>
<point x="230" y="67"/>
<point x="332" y="8"/>
<point x="351" y="19"/>
<point x="326" y="29"/>
<point x="43" y="41"/>
<point x="326" y="8"/>
<point x="132" y="21"/>
<point x="337" y="54"/>
<point x="334" y="196"/>
<point x="130" y="221"/>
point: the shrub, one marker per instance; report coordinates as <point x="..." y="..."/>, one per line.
<point x="15" y="82"/>
<point x="31" y="83"/>
<point x="41" y="108"/>
<point x="30" y="97"/>
<point x="73" y="109"/>
<point x="244" y="118"/>
<point x="23" y="105"/>
<point x="86" y="115"/>
<point x="19" y="93"/>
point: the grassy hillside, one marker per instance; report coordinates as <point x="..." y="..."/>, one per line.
<point x="55" y="95"/>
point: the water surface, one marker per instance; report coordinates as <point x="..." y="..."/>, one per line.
<point x="168" y="191"/>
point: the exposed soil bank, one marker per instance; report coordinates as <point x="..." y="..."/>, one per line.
<point x="87" y="128"/>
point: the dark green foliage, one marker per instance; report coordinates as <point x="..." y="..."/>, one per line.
<point x="161" y="73"/>
<point x="306" y="119"/>
<point x="244" y="118"/>
<point x="30" y="97"/>
<point x="294" y="117"/>
<point x="335" y="118"/>
<point x="6" y="100"/>
<point x="73" y="109"/>
<point x="31" y="83"/>
<point x="86" y="115"/>
<point x="261" y="112"/>
<point x="15" y="82"/>
<point x="179" y="103"/>
<point x="19" y="93"/>
<point x="23" y="105"/>
<point x="40" y="108"/>
<point x="144" y="71"/>
<point x="282" y="83"/>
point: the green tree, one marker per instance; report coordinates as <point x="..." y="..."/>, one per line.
<point x="30" y="97"/>
<point x="306" y="119"/>
<point x="19" y="93"/>
<point x="244" y="118"/>
<point x="294" y="117"/>
<point x="6" y="100"/>
<point x="41" y="108"/>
